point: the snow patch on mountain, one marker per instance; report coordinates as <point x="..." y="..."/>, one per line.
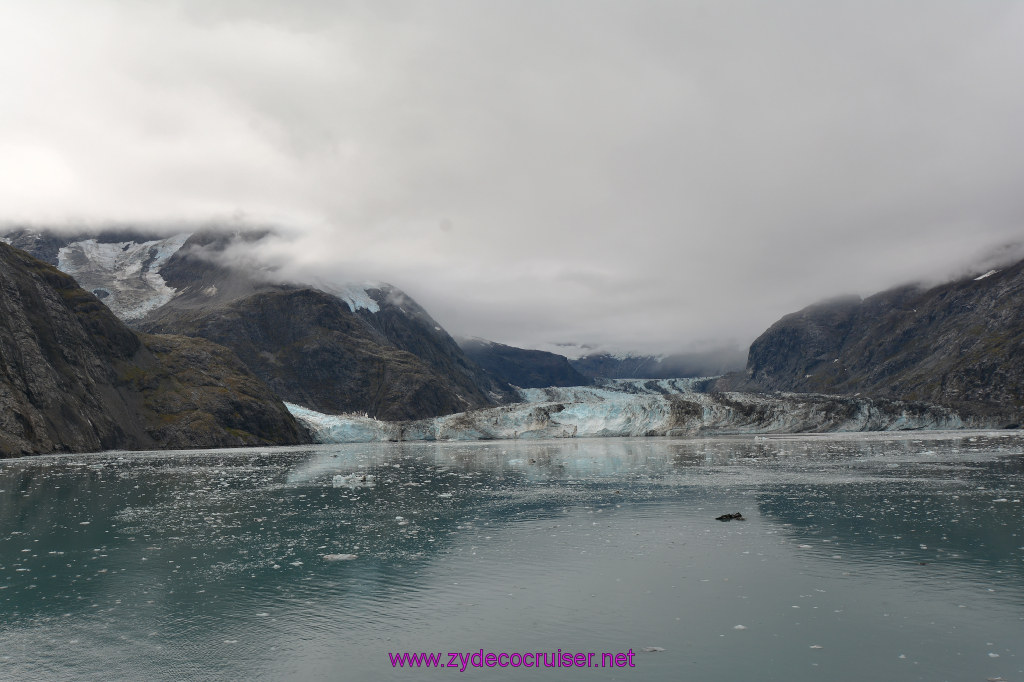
<point x="356" y="296"/>
<point x="125" y="275"/>
<point x="571" y="351"/>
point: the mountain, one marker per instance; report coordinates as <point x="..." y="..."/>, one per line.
<point x="523" y="368"/>
<point x="367" y="348"/>
<point x="695" y="364"/>
<point x="960" y="344"/>
<point x="120" y="266"/>
<point x="73" y="377"/>
<point x="312" y="349"/>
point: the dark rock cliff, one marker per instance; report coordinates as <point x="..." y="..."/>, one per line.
<point x="404" y="323"/>
<point x="74" y="378"/>
<point x="311" y="349"/>
<point x="521" y="367"/>
<point x="959" y="344"/>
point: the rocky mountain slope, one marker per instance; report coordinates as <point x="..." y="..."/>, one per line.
<point x="960" y="344"/>
<point x="521" y="367"/>
<point x="74" y="378"/>
<point x="352" y="349"/>
<point x="313" y="350"/>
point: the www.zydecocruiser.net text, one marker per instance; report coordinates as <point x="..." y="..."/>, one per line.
<point x="461" y="661"/>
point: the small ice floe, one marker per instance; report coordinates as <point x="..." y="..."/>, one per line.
<point x="653" y="649"/>
<point x="444" y="496"/>
<point x="340" y="557"/>
<point x="804" y="546"/>
<point x="1000" y="499"/>
<point x="354" y="481"/>
<point x="817" y="646"/>
<point x="739" y="627"/>
<point x="993" y="654"/>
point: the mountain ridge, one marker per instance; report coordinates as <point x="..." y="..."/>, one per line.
<point x="959" y="343"/>
<point x="379" y="351"/>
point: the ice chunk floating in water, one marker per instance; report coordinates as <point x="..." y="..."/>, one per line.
<point x="248" y="564"/>
<point x="354" y="480"/>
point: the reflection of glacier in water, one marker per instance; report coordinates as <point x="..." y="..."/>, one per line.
<point x="793" y="458"/>
<point x="635" y="407"/>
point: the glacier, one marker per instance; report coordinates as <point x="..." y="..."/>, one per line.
<point x="639" y="407"/>
<point x="356" y="296"/>
<point x="125" y="275"/>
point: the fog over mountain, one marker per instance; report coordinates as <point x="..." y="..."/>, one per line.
<point x="650" y="176"/>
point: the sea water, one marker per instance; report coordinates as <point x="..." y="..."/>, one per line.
<point x="860" y="557"/>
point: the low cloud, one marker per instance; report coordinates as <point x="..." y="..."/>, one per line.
<point x="650" y="175"/>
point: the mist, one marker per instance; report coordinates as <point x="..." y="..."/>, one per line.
<point x="651" y="176"/>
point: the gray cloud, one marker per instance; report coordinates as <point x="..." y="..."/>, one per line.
<point x="649" y="175"/>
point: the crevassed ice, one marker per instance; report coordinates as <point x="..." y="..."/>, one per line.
<point x="329" y="428"/>
<point x="357" y="298"/>
<point x="636" y="408"/>
<point x="128" y="271"/>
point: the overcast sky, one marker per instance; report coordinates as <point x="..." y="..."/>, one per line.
<point x="645" y="175"/>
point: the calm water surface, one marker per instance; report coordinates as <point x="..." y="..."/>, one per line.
<point x="863" y="557"/>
